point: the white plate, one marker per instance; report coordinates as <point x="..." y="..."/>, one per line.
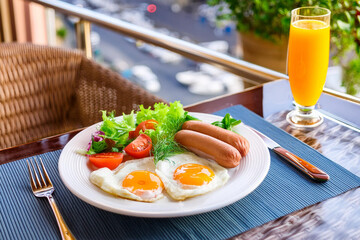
<point x="245" y="178"/>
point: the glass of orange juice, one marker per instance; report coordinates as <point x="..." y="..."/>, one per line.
<point x="308" y="58"/>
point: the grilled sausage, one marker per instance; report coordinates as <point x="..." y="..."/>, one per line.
<point x="209" y="147"/>
<point x="234" y="139"/>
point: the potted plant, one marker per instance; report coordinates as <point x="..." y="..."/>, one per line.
<point x="264" y="28"/>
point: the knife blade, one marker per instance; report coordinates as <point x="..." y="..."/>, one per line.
<point x="307" y="168"/>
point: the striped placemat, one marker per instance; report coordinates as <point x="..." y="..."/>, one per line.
<point x="284" y="190"/>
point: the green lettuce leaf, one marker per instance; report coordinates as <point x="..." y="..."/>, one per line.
<point x="158" y="113"/>
<point x="96" y="147"/>
<point x="117" y="130"/>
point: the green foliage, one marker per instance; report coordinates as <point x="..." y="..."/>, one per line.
<point x="270" y="20"/>
<point x="345" y="26"/>
<point x="61" y="32"/>
<point x="352" y="76"/>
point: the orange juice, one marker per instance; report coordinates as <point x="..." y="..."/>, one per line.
<point x="308" y="59"/>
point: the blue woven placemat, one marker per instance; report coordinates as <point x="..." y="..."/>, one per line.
<point x="284" y="190"/>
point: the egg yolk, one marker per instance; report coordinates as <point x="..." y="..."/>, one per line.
<point x="193" y="174"/>
<point x="142" y="180"/>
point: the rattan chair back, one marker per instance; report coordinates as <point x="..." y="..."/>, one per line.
<point x="47" y="90"/>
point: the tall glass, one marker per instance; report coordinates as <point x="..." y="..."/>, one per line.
<point x="308" y="58"/>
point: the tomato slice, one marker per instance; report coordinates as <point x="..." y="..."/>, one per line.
<point x="140" y="147"/>
<point x="110" y="160"/>
<point x="132" y="134"/>
<point x="148" y="124"/>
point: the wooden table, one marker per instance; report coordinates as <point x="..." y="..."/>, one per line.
<point x="338" y="138"/>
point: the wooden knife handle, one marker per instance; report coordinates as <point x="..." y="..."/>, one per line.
<point x="310" y="170"/>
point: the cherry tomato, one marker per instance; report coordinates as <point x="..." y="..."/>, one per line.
<point x="140" y="147"/>
<point x="148" y="124"/>
<point x="110" y="160"/>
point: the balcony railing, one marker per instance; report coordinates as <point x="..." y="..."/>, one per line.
<point x="253" y="73"/>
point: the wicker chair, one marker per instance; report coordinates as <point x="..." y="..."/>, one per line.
<point x="46" y="91"/>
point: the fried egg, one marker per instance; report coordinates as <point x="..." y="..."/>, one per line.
<point x="134" y="179"/>
<point x="187" y="175"/>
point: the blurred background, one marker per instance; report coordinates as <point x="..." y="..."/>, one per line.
<point x="255" y="31"/>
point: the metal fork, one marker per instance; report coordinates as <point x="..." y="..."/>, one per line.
<point x="45" y="189"/>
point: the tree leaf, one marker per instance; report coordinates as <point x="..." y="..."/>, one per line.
<point x="348" y="16"/>
<point x="343" y="25"/>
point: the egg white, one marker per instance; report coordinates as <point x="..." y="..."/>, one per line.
<point x="111" y="181"/>
<point x="165" y="170"/>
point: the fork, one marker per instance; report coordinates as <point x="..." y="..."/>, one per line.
<point x="45" y="189"/>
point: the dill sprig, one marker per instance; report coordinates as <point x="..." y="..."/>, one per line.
<point x="164" y="145"/>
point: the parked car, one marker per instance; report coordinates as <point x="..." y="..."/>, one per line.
<point x="143" y="76"/>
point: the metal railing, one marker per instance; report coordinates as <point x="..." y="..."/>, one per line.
<point x="253" y="73"/>
<point x="192" y="51"/>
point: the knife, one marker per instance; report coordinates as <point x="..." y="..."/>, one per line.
<point x="310" y="170"/>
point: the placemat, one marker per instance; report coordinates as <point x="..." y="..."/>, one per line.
<point x="284" y="190"/>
